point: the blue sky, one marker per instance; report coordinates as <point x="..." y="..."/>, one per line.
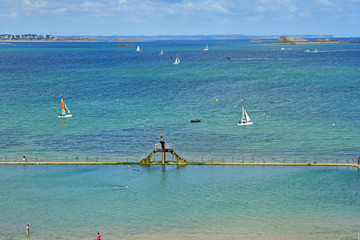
<point x="340" y="18"/>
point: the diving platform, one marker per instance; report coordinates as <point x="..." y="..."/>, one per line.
<point x="163" y="150"/>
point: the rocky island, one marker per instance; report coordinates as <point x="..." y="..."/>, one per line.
<point x="125" y="45"/>
<point x="286" y="40"/>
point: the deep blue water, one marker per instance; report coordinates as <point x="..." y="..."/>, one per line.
<point x="303" y="105"/>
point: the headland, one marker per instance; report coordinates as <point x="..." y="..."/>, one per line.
<point x="44" y="38"/>
<point x="287" y="40"/>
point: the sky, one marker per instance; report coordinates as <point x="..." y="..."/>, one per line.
<point x="340" y="18"/>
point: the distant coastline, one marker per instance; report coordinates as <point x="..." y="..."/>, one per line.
<point x="273" y="39"/>
<point x="44" y="38"/>
<point x="127" y="40"/>
<point x="142" y="38"/>
<point x="287" y="40"/>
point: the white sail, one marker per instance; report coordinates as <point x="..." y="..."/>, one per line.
<point x="161" y="52"/>
<point x="67" y="109"/>
<point x="206" y="48"/>
<point x="177" y="60"/>
<point x="245" y="119"/>
<point x="138" y="49"/>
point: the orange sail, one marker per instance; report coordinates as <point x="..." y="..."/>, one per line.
<point x="62" y="106"/>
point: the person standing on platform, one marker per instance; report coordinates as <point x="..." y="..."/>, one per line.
<point x="161" y="137"/>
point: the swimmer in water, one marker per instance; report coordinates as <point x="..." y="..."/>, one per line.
<point x="27" y="229"/>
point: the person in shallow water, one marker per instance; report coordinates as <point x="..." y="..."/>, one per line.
<point x="98" y="236"/>
<point x="358" y="160"/>
<point x="27" y="229"/>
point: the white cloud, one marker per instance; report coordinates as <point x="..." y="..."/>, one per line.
<point x="325" y="2"/>
<point x="69" y="7"/>
<point x="200" y="6"/>
<point x="305" y="15"/>
<point x="260" y="9"/>
<point x="157" y="10"/>
<point x="33" y="4"/>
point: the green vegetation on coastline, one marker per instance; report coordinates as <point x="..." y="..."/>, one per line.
<point x="44" y="38"/>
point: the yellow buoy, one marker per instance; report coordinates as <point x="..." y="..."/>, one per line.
<point x="264" y="114"/>
<point x="333" y="124"/>
<point x="217" y="100"/>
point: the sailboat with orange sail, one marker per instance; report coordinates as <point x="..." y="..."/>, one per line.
<point x="65" y="112"/>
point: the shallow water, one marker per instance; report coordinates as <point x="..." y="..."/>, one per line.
<point x="192" y="202"/>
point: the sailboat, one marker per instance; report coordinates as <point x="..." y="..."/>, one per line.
<point x="177" y="60"/>
<point x="245" y="119"/>
<point x="206" y="48"/>
<point x="138" y="49"/>
<point x="161" y="52"/>
<point x="64" y="109"/>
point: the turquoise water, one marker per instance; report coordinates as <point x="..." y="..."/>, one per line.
<point x="304" y="106"/>
<point x="193" y="202"/>
<point x="121" y="100"/>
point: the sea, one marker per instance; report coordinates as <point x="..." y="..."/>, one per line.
<point x="302" y="99"/>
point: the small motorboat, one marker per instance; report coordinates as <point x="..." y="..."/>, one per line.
<point x="196" y="120"/>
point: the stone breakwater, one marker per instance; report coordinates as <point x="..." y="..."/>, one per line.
<point x="187" y="163"/>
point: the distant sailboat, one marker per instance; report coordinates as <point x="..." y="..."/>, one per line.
<point x="161" y="52"/>
<point x="177" y="60"/>
<point x="64" y="108"/>
<point x="206" y="48"/>
<point x="138" y="49"/>
<point x="245" y="119"/>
